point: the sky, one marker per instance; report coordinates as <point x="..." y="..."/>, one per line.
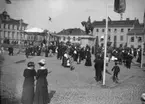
<point x="68" y="13"/>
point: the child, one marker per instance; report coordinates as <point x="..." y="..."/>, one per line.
<point x="71" y="63"/>
<point x="115" y="70"/>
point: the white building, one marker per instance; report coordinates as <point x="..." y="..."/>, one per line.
<point x="76" y="35"/>
<point x="117" y="31"/>
<point x="11" y="29"/>
<point x="136" y="37"/>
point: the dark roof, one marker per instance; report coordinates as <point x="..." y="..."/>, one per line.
<point x="73" y="31"/>
<point x="10" y="20"/>
<point x="120" y="23"/>
<point x="136" y="31"/>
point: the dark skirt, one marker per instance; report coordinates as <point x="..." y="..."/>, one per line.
<point x="41" y="95"/>
<point x="88" y="62"/>
<point x="27" y="95"/>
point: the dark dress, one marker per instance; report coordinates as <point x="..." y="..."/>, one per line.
<point x="88" y="59"/>
<point x="28" y="86"/>
<point x="41" y="93"/>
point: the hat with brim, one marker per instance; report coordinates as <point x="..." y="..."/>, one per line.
<point x="30" y="64"/>
<point x="42" y="61"/>
<point x="143" y="97"/>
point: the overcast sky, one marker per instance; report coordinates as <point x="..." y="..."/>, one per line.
<point x="68" y="13"/>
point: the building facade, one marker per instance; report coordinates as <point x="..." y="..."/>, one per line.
<point x="136" y="37"/>
<point x="117" y="31"/>
<point x="75" y="35"/>
<point x="11" y="30"/>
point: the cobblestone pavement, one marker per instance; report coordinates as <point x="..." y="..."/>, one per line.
<point x="78" y="86"/>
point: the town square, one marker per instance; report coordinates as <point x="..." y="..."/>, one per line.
<point x="47" y="60"/>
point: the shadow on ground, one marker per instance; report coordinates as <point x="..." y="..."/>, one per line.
<point x="51" y="94"/>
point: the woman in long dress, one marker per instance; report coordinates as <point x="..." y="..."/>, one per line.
<point x="41" y="93"/>
<point x="28" y="86"/>
<point x="88" y="58"/>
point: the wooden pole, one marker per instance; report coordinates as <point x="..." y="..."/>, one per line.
<point x="105" y="45"/>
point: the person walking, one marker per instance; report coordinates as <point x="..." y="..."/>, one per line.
<point x="41" y="93"/>
<point x="98" y="68"/>
<point x="116" y="71"/>
<point x="88" y="58"/>
<point x="28" y="86"/>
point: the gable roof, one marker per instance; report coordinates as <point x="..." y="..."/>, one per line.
<point x="136" y="31"/>
<point x="72" y="31"/>
<point x="10" y="20"/>
<point x="120" y="23"/>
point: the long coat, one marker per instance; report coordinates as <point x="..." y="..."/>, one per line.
<point x="98" y="69"/>
<point x="88" y="59"/>
<point x="41" y="93"/>
<point x="28" y="87"/>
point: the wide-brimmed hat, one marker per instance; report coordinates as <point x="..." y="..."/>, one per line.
<point x="42" y="61"/>
<point x="143" y="97"/>
<point x="30" y="64"/>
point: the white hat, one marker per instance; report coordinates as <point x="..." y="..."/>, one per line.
<point x="143" y="96"/>
<point x="42" y="61"/>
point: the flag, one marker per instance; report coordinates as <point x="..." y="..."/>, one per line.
<point x="119" y="6"/>
<point x="109" y="19"/>
<point x="50" y="19"/>
<point x="8" y="1"/>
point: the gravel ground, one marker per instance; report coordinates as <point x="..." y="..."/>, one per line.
<point x="76" y="87"/>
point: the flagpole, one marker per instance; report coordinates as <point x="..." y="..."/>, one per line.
<point x="105" y="46"/>
<point x="142" y="54"/>
<point x="142" y="58"/>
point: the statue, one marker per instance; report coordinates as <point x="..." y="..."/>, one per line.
<point x="88" y="26"/>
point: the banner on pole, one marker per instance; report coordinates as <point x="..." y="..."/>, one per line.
<point x="8" y="1"/>
<point x="119" y="6"/>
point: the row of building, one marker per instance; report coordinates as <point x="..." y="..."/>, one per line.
<point x="120" y="33"/>
<point x="14" y="31"/>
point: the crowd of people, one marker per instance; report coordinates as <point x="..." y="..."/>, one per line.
<point x="69" y="54"/>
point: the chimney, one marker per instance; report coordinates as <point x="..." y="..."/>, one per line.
<point x="127" y="19"/>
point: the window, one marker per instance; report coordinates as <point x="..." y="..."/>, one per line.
<point x="103" y="30"/>
<point x="115" y="38"/>
<point x="129" y="29"/>
<point x="101" y="39"/>
<point x="79" y="38"/>
<point x="102" y="44"/>
<point x="132" y="39"/>
<point x="132" y="46"/>
<point x="121" y="38"/>
<point x="97" y="30"/>
<point x="139" y="46"/>
<point x="64" y="38"/>
<point x="13" y="35"/>
<point x="109" y="37"/>
<point x="121" y="45"/>
<point x="4" y="34"/>
<point x="122" y="30"/>
<point x="8" y="26"/>
<point x="109" y="30"/>
<point x="73" y="38"/>
<point x="8" y="34"/>
<point x="139" y="39"/>
<point x="68" y="38"/>
<point x="115" y="30"/>
<point x="17" y="27"/>
<point x="4" y="26"/>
